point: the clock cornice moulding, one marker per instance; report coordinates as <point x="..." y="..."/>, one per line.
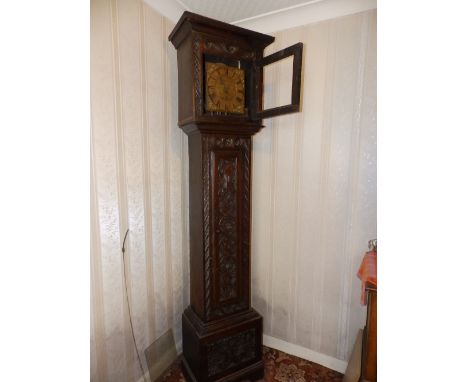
<point x="308" y="12"/>
<point x="202" y="23"/>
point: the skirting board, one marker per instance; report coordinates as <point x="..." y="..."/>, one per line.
<point x="287" y="347"/>
<point x="307" y="354"/>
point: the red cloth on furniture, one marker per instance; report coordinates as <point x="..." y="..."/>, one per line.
<point x="368" y="273"/>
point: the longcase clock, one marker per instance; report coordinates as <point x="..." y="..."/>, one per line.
<point x="220" y="85"/>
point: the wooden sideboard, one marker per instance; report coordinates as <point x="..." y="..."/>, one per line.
<point x="369" y="339"/>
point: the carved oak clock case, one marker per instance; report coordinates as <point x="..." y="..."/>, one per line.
<point x="220" y="85"/>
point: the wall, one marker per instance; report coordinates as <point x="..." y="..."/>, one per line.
<point x="314" y="189"/>
<point x="139" y="158"/>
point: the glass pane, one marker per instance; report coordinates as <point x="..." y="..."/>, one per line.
<point x="277" y="83"/>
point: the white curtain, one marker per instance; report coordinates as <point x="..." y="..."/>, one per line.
<point x="138" y="181"/>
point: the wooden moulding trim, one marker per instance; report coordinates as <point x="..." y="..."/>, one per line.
<point x="238" y="129"/>
<point x="194" y="19"/>
<point x="307" y="354"/>
<point x="211" y="327"/>
<point x="220" y="120"/>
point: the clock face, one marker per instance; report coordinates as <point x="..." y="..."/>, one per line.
<point x="224" y="88"/>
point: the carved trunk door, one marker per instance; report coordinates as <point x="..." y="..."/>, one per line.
<point x="226" y="224"/>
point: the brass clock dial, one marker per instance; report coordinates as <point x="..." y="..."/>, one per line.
<point x="224" y="88"/>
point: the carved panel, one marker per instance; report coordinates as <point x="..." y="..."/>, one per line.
<point x="226" y="210"/>
<point x="198" y="75"/>
<point x="221" y="47"/>
<point x="231" y="351"/>
<point x="225" y="224"/>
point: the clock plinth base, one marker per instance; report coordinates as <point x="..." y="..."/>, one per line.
<point x="227" y="349"/>
<point x="252" y="373"/>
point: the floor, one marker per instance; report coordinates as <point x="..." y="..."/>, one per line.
<point x="279" y="367"/>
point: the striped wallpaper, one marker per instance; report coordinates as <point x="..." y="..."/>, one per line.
<point x="139" y="162"/>
<point x="314" y="188"/>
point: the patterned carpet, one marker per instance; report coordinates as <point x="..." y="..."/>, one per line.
<point x="279" y="367"/>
